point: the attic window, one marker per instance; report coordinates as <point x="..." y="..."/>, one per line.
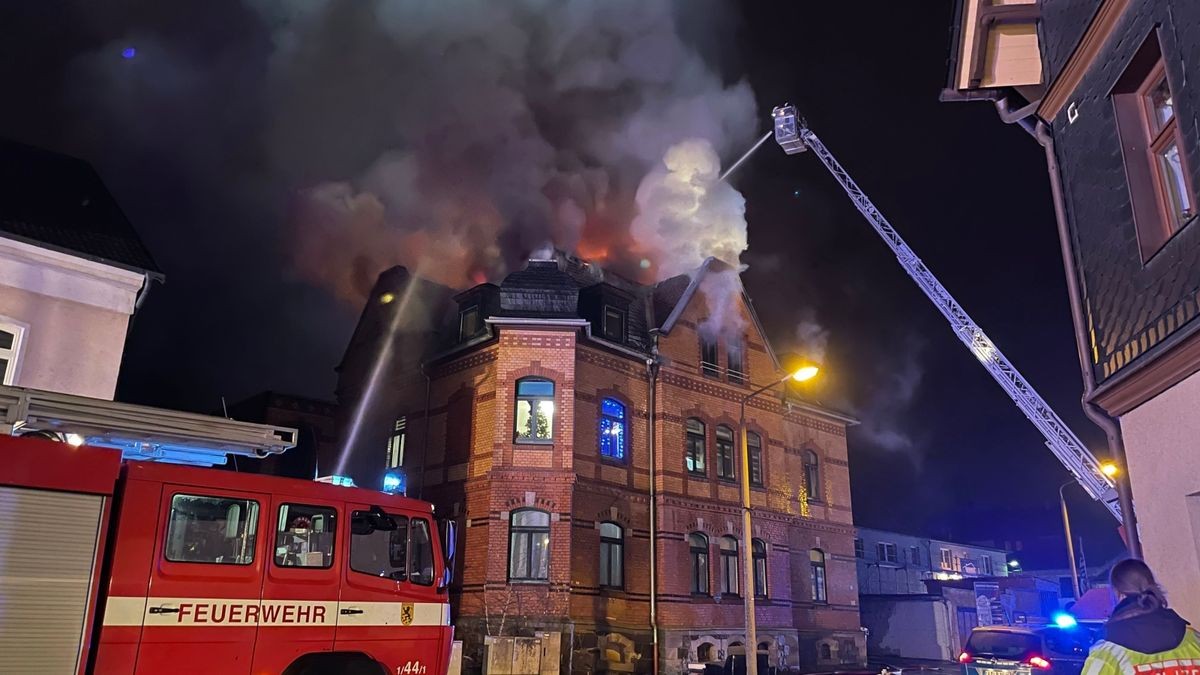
<point x="708" y="357"/>
<point x="614" y="323"/>
<point x="735" y="356"/>
<point x="470" y="323"/>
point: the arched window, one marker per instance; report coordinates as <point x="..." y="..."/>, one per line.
<point x="535" y="409"/>
<point x="694" y="460"/>
<point x="812" y="476"/>
<point x="529" y="545"/>
<point x="816" y="563"/>
<point x="729" y="565"/>
<point x="759" y="548"/>
<point x="612" y="429"/>
<point x="826" y="652"/>
<point x="612" y="555"/>
<point x="724" y="452"/>
<point x="706" y="653"/>
<point x="698" y="550"/>
<point x="754" y="446"/>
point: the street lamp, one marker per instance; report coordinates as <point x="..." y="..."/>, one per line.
<point x="801" y="374"/>
<point x="1110" y="470"/>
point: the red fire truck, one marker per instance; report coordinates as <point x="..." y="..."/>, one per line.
<point x="138" y="567"/>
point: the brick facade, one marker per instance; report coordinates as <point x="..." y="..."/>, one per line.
<point x="463" y="456"/>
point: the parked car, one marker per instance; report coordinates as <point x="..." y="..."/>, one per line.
<point x="1002" y="650"/>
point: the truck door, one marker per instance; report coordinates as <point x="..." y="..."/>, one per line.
<point x="202" y="610"/>
<point x="390" y="607"/>
<point x="300" y="590"/>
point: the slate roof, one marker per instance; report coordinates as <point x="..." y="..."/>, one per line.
<point x="542" y="290"/>
<point x="60" y="202"/>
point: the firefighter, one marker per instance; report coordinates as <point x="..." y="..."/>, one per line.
<point x="1143" y="636"/>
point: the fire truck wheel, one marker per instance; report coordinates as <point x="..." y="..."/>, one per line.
<point x="335" y="664"/>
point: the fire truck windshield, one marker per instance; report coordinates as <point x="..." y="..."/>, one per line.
<point x="403" y="553"/>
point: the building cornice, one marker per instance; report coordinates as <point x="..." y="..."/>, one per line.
<point x="1098" y="33"/>
<point x="60" y="275"/>
<point x="1139" y="383"/>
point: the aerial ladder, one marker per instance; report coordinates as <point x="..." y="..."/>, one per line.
<point x="794" y="136"/>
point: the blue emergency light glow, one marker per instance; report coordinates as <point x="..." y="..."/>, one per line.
<point x="128" y="53"/>
<point x="1064" y="620"/>
<point x="343" y="481"/>
<point x="392" y="483"/>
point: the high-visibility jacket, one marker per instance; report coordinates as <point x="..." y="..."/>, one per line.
<point x="1110" y="658"/>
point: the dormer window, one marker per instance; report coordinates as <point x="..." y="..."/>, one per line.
<point x="614" y="323"/>
<point x="470" y="323"/>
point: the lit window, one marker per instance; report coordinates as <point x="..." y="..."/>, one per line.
<point x="395" y="446"/>
<point x="10" y="351"/>
<point x="886" y="552"/>
<point x="708" y="357"/>
<point x="735" y="358"/>
<point x="729" y="565"/>
<point x="529" y="545"/>
<point x="725" y="452"/>
<point x="816" y="559"/>
<point x="1157" y="173"/>
<point x="759" y="549"/>
<point x="470" y="323"/>
<point x="947" y="559"/>
<point x="754" y="445"/>
<point x="535" y="409"/>
<point x="612" y="429"/>
<point x="614" y="323"/>
<point x="612" y="555"/>
<point x="698" y="550"/>
<point x="812" y="476"/>
<point x="695" y="447"/>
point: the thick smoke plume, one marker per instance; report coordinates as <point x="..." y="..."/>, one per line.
<point x="686" y="214"/>
<point x="456" y="136"/>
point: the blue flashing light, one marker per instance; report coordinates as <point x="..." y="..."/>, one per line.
<point x="128" y="53"/>
<point x="393" y="483"/>
<point x="343" y="481"/>
<point x="1064" y="620"/>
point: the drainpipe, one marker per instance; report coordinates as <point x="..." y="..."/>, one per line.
<point x="1112" y="430"/>
<point x="652" y="365"/>
<point x="425" y="442"/>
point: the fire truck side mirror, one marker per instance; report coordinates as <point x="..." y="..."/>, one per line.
<point x="449" y="531"/>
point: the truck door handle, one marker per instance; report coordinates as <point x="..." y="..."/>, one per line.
<point x="349" y="610"/>
<point x="164" y="610"/>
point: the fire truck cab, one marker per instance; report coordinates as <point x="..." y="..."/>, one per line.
<point x="141" y="568"/>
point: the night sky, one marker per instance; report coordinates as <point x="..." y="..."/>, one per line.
<point x="941" y="451"/>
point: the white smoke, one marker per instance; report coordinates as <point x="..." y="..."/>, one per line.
<point x="687" y="214"/>
<point x="812" y="339"/>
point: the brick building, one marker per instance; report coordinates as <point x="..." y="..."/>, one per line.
<point x="1103" y="86"/>
<point x="549" y="412"/>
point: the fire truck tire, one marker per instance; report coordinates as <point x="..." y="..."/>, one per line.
<point x="343" y="663"/>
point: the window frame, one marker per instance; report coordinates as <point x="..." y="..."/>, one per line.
<point x="397" y="442"/>
<point x="758" y="553"/>
<point x="754" y="449"/>
<point x="332" y="531"/>
<point x="410" y="555"/>
<point x="1143" y="140"/>
<point x="622" y="317"/>
<point x="606" y="556"/>
<point x="986" y="565"/>
<point x="698" y="555"/>
<point x="398" y="518"/>
<point x="818" y="580"/>
<point x="622" y="422"/>
<point x="253" y="524"/>
<point x="689" y="439"/>
<point x="914" y="555"/>
<point x="736" y="350"/>
<point x="860" y="548"/>
<point x="13" y="354"/>
<point x="480" y="328"/>
<point x="710" y="367"/>
<point x="535" y="401"/>
<point x="812" y="476"/>
<point x="946" y="559"/>
<point x="726" y="455"/>
<point x="529" y="530"/>
<point x="731" y="573"/>
<point x="882" y="549"/>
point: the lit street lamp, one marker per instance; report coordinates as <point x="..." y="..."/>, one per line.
<point x="1108" y="469"/>
<point x="801" y="374"/>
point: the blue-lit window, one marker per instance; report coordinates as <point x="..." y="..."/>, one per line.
<point x="612" y="429"/>
<point x="535" y="410"/>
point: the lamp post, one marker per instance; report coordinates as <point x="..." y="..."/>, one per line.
<point x="751" y="646"/>
<point x="1108" y="469"/>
